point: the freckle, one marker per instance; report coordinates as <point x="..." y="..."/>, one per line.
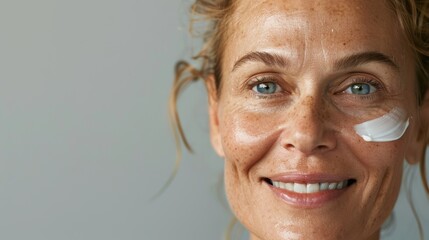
<point x="344" y="44"/>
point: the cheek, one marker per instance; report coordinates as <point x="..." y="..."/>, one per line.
<point x="248" y="136"/>
<point x="382" y="166"/>
<point x="379" y="155"/>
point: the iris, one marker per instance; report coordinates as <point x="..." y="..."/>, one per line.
<point x="265" y="88"/>
<point x="361" y="89"/>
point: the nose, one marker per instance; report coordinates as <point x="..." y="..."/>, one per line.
<point x="308" y="129"/>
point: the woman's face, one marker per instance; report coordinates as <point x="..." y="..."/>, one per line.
<point x="297" y="77"/>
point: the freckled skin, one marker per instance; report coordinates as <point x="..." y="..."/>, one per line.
<point x="308" y="126"/>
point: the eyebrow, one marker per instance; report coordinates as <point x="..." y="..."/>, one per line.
<point x="272" y="59"/>
<point x="365" y="57"/>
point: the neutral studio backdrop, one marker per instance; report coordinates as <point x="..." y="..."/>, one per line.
<point x="85" y="140"/>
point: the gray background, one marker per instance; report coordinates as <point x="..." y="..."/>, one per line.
<point x="84" y="136"/>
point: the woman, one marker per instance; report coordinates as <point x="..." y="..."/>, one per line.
<point x="314" y="105"/>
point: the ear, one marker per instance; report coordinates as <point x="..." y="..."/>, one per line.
<point x="417" y="146"/>
<point x="213" y="99"/>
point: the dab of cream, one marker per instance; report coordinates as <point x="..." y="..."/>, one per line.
<point x="386" y="128"/>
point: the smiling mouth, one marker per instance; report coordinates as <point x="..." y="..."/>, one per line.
<point x="306" y="188"/>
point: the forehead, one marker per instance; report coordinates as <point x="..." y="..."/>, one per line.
<point x="316" y="13"/>
<point x="332" y="26"/>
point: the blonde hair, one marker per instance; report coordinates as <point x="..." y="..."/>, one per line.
<point x="413" y="16"/>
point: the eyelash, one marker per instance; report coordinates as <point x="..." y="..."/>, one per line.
<point x="267" y="79"/>
<point x="376" y="84"/>
<point x="263" y="79"/>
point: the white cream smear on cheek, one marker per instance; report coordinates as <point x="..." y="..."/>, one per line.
<point x="386" y="128"/>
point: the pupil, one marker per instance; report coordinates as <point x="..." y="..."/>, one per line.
<point x="266" y="88"/>
<point x="361" y="89"/>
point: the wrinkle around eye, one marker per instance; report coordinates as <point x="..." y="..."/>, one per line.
<point x="366" y="81"/>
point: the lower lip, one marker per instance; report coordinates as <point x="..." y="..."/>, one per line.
<point x="308" y="200"/>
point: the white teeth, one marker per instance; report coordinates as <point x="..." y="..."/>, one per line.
<point x="332" y="186"/>
<point x="300" y="188"/>
<point x="310" y="187"/>
<point x="289" y="186"/>
<point x="324" y="186"/>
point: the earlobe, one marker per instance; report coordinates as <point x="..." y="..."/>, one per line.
<point x="213" y="115"/>
<point x="419" y="139"/>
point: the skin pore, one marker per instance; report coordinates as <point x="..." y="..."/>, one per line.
<point x="297" y="76"/>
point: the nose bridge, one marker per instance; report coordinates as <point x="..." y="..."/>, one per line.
<point x="309" y="106"/>
<point x="307" y="129"/>
<point x="309" y="120"/>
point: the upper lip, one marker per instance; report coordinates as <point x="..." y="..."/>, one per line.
<point x="309" y="177"/>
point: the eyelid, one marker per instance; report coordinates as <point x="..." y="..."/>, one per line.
<point x="377" y="84"/>
<point x="264" y="78"/>
<point x="378" y="94"/>
<point x="254" y="80"/>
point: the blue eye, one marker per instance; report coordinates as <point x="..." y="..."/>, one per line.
<point x="266" y="88"/>
<point x="360" y="89"/>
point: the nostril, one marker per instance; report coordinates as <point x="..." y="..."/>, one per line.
<point x="307" y="139"/>
<point x="302" y="148"/>
<point x="288" y="146"/>
<point x="322" y="147"/>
